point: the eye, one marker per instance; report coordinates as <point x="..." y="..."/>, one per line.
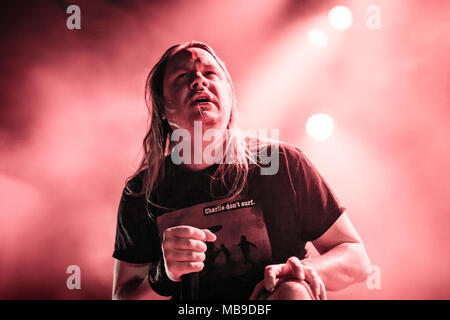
<point x="210" y="73"/>
<point x="182" y="75"/>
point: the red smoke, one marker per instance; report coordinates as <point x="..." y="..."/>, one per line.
<point x="73" y="116"/>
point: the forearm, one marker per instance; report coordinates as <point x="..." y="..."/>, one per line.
<point x="341" y="266"/>
<point x="137" y="289"/>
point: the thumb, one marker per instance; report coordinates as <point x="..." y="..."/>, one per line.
<point x="209" y="236"/>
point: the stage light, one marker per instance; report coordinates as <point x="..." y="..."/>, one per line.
<point x="319" y="126"/>
<point x="318" y="38"/>
<point x="340" y="18"/>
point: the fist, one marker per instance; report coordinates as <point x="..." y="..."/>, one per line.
<point x="294" y="269"/>
<point x="184" y="250"/>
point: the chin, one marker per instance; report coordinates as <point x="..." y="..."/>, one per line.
<point x="207" y="117"/>
<point x="210" y="123"/>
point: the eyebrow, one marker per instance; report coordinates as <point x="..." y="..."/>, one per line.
<point x="178" y="69"/>
<point x="181" y="68"/>
<point x="210" y="65"/>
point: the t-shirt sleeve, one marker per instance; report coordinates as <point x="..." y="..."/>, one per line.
<point x="137" y="239"/>
<point x="318" y="206"/>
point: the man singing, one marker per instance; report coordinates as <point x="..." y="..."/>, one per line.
<point x="203" y="187"/>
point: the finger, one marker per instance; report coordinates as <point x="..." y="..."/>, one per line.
<point x="189" y="267"/>
<point x="257" y="291"/>
<point x="314" y="281"/>
<point x="183" y="244"/>
<point x="271" y="276"/>
<point x="185" y="255"/>
<point x="209" y="235"/>
<point x="323" y="291"/>
<point x="293" y="268"/>
<point x="187" y="232"/>
<point x="178" y="269"/>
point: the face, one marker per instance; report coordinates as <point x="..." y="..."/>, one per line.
<point x="196" y="89"/>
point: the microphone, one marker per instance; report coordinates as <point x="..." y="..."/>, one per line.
<point x="190" y="281"/>
<point x="189" y="286"/>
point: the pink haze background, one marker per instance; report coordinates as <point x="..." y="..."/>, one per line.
<point x="72" y="119"/>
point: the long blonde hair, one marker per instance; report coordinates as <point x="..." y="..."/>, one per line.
<point x="157" y="140"/>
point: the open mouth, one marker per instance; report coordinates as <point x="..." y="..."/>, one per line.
<point x="202" y="100"/>
<point x="197" y="101"/>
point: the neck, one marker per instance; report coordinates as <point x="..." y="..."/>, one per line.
<point x="198" y="167"/>
<point x="199" y="156"/>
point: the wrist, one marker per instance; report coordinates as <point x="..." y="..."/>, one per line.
<point x="160" y="282"/>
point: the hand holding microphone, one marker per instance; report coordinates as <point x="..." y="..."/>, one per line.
<point x="184" y="250"/>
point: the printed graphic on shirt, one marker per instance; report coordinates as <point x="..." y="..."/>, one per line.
<point x="231" y="205"/>
<point x="242" y="243"/>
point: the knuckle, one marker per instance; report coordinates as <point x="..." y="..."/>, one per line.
<point x="316" y="279"/>
<point x="314" y="273"/>
<point x="315" y="276"/>
<point x="197" y="256"/>
<point x="195" y="266"/>
<point x="269" y="272"/>
<point x="311" y="269"/>
<point x="192" y="232"/>
<point x="191" y="243"/>
<point x="168" y="232"/>
<point x="199" y="246"/>
<point x="268" y="268"/>
<point x="165" y="245"/>
<point x="191" y="255"/>
<point x="200" y="266"/>
<point x="187" y="231"/>
<point x="202" y="256"/>
<point x="295" y="262"/>
<point x="170" y="266"/>
<point x="297" y="266"/>
<point x="167" y="255"/>
<point x="293" y="259"/>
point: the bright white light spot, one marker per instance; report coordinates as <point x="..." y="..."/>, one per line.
<point x="319" y="126"/>
<point x="318" y="38"/>
<point x="340" y="18"/>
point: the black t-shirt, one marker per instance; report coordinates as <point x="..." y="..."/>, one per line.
<point x="271" y="220"/>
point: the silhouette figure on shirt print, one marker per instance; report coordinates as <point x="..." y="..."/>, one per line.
<point x="244" y="244"/>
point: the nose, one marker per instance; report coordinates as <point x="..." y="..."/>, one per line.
<point x="198" y="81"/>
